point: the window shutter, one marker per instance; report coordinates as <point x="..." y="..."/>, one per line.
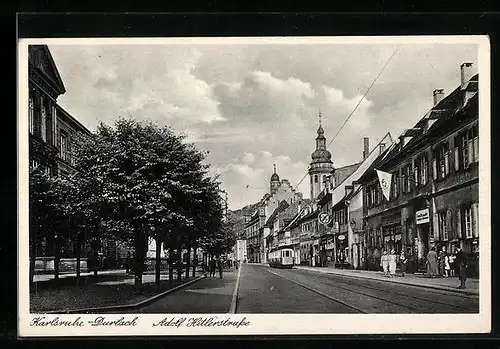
<point x="470" y="151"/>
<point x="434" y="168"/>
<point x="446" y="163"/>
<point x="435" y="226"/>
<point x="449" y="230"/>
<point x="476" y="149"/>
<point x="456" y="159"/>
<point x="475" y="220"/>
<point x="459" y="223"/>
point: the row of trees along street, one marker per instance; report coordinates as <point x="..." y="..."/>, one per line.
<point x="133" y="181"/>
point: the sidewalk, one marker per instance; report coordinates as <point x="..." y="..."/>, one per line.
<point x="447" y="284"/>
<point x="111" y="289"/>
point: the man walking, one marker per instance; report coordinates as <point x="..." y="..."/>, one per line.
<point x="212" y="267"/>
<point x="219" y="267"/>
<point x="461" y="263"/>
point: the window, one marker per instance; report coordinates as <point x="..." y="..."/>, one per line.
<point x="468" y="222"/>
<point x="424" y="175"/>
<point x="443" y="230"/>
<point x="441" y="161"/>
<point x="407" y="178"/>
<point x="395" y="184"/>
<point x="31" y="115"/>
<point x="368" y="196"/>
<point x="469" y="142"/>
<point x="456" y="153"/>
<point x="315" y="178"/>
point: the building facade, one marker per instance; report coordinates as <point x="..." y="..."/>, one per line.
<point x="255" y="231"/>
<point x="435" y="182"/>
<point x="51" y="129"/>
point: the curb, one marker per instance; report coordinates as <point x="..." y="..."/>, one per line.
<point x="125" y="306"/>
<point x="442" y="288"/>
<point x="234" y="300"/>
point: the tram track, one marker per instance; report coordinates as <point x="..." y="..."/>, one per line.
<point x="359" y="310"/>
<point x="454" y="305"/>
<point x="349" y="287"/>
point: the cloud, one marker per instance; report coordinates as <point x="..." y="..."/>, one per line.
<point x="252" y="106"/>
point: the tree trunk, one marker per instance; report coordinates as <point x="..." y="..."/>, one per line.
<point x="195" y="261"/>
<point x="188" y="265"/>
<point x="158" y="263"/>
<point x="140" y="251"/>
<point x="170" y="265"/>
<point x="57" y="258"/>
<point x="78" y="259"/>
<point x="96" y="259"/>
<point x="179" y="264"/>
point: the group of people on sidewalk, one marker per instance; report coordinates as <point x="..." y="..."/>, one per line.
<point x="447" y="264"/>
<point x="443" y="264"/>
<point x="213" y="265"/>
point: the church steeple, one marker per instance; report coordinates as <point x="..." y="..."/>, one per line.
<point x="321" y="165"/>
<point x="320" y="139"/>
<point x="274" y="183"/>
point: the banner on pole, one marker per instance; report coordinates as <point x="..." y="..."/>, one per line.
<point x="385" y="180"/>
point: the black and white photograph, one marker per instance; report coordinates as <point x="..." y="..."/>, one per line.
<point x="240" y="183"/>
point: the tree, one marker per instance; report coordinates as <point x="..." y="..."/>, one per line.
<point x="50" y="205"/>
<point x="146" y="178"/>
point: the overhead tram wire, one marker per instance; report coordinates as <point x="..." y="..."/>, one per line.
<point x="357" y="105"/>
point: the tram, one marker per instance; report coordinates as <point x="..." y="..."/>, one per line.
<point x="281" y="258"/>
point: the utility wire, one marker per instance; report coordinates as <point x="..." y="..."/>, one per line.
<point x="356" y="107"/>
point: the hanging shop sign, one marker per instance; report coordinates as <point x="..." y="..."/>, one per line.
<point x="329" y="246"/>
<point x="324" y="218"/>
<point x="422" y="216"/>
<point x="341" y="237"/>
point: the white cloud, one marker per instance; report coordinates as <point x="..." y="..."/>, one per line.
<point x="255" y="106"/>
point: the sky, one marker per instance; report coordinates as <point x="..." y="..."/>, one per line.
<point x="254" y="105"/>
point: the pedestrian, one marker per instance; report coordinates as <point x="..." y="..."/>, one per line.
<point x="451" y="262"/>
<point x="462" y="264"/>
<point x="212" y="266"/>
<point x="392" y="263"/>
<point x="220" y="267"/>
<point x="384" y="262"/>
<point x="447" y="267"/>
<point x="441" y="262"/>
<point x="432" y="263"/>
<point x="403" y="260"/>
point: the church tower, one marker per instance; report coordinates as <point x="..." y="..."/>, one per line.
<point x="321" y="166"/>
<point x="274" y="183"/>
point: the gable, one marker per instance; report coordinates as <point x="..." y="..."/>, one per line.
<point x="40" y="58"/>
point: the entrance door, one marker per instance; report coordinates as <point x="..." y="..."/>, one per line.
<point x="423" y="240"/>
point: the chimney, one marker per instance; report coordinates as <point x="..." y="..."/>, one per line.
<point x="465" y="74"/>
<point x="299" y="206"/>
<point x="401" y="141"/>
<point x="438" y="96"/>
<point x="366" y="147"/>
<point x="382" y="147"/>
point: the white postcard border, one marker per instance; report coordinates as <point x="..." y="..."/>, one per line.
<point x="260" y="324"/>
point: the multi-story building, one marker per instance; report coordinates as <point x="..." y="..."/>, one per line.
<point x="254" y="228"/>
<point x="435" y="181"/>
<point x="51" y="129"/>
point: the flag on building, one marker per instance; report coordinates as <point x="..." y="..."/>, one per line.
<point x="385" y="180"/>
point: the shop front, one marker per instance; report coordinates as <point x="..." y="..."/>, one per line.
<point x="330" y="251"/>
<point x="341" y="250"/>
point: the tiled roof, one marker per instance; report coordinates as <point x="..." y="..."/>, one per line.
<point x="342" y="173"/>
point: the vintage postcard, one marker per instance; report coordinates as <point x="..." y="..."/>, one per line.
<point x="254" y="186"/>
